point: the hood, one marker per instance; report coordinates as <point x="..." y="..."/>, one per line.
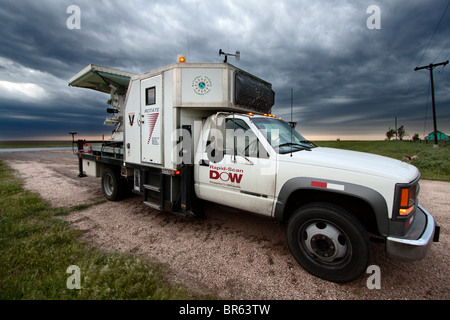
<point x="354" y="161"/>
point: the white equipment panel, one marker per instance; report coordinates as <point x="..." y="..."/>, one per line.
<point x="151" y="119"/>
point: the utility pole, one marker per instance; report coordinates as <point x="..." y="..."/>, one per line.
<point x="430" y="67"/>
<point x="396" y="130"/>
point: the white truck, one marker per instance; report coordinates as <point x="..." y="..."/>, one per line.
<point x="192" y="132"/>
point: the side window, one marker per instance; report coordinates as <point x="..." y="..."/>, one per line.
<point x="216" y="142"/>
<point x="240" y="136"/>
<point x="150" y="96"/>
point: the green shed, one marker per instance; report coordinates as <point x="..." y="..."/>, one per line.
<point x="440" y="136"/>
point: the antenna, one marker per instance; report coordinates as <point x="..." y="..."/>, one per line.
<point x="292" y="102"/>
<point x="292" y="123"/>
<point x="237" y="55"/>
<point x="292" y="127"/>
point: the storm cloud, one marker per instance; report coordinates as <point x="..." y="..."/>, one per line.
<point x="349" y="81"/>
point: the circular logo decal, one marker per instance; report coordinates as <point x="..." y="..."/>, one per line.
<point x="201" y="85"/>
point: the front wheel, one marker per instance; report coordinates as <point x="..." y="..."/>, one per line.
<point x="328" y="242"/>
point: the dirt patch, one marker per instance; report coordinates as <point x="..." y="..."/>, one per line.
<point x="231" y="254"/>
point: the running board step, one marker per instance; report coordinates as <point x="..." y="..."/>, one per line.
<point x="153" y="205"/>
<point x="152" y="188"/>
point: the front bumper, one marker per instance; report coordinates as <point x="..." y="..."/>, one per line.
<point x="417" y="242"/>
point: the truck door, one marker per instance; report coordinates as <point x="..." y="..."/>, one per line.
<point x="151" y="118"/>
<point x="242" y="174"/>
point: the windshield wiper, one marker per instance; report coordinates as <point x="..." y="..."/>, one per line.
<point x="294" y="144"/>
<point x="289" y="144"/>
<point x="307" y="141"/>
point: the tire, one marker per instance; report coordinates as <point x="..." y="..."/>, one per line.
<point x="113" y="185"/>
<point x="328" y="242"/>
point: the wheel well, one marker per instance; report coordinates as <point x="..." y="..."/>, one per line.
<point x="355" y="206"/>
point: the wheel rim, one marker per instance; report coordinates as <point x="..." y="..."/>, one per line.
<point x="324" y="242"/>
<point x="108" y="184"/>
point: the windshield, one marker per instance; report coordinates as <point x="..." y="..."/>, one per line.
<point x="281" y="136"/>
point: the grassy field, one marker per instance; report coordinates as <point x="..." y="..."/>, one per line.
<point x="34" y="144"/>
<point x="37" y="247"/>
<point x="433" y="163"/>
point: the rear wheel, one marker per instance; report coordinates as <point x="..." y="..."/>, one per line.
<point x="328" y="242"/>
<point x="113" y="186"/>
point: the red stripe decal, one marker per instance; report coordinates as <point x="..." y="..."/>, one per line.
<point x="152" y="118"/>
<point x="318" y="184"/>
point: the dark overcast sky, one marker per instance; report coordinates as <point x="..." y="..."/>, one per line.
<point x="349" y="81"/>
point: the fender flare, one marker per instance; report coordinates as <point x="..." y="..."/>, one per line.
<point x="370" y="196"/>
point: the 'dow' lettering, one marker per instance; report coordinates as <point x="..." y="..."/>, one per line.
<point x="213" y="174"/>
<point x="225" y="176"/>
<point x="235" y="178"/>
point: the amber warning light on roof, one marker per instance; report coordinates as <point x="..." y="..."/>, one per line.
<point x="181" y="58"/>
<point x="265" y="115"/>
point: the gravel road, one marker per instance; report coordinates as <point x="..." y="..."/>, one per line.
<point x="231" y="254"/>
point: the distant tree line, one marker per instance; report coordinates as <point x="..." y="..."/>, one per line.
<point x="400" y="134"/>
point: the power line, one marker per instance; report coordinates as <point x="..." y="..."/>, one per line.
<point x="434" y="32"/>
<point x="448" y="54"/>
<point x="430" y="67"/>
<point x="426" y="49"/>
<point x="445" y="47"/>
<point x="440" y="72"/>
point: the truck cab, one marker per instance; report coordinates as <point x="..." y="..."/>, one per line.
<point x="235" y="164"/>
<point x="188" y="133"/>
<point x="332" y="200"/>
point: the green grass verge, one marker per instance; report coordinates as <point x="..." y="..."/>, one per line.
<point x="34" y="144"/>
<point x="433" y="163"/>
<point x="37" y="247"/>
